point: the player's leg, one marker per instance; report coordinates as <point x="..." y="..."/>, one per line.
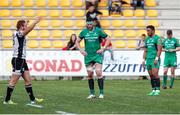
<point x="165" y="78"/>
<point x="16" y="64"/>
<point x="28" y="84"/>
<point x="172" y="77"/>
<point x="153" y="84"/>
<point x="155" y="72"/>
<point x="98" y="68"/>
<point x="90" y="80"/>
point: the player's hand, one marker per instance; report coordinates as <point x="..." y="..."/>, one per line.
<point x="171" y="50"/>
<point x="83" y="52"/>
<point x="155" y="62"/>
<point x="38" y="19"/>
<point x="100" y="51"/>
<point x="143" y="64"/>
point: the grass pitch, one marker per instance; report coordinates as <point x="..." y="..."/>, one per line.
<point x="121" y="96"/>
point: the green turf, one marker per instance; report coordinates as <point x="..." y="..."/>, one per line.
<point x="121" y="96"/>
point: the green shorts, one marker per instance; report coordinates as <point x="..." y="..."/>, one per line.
<point x="170" y="61"/>
<point x="98" y="58"/>
<point x="150" y="63"/>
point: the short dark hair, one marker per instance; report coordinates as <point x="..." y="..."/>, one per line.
<point x="143" y="35"/>
<point x="151" y="27"/>
<point x="20" y="23"/>
<point x="169" y="32"/>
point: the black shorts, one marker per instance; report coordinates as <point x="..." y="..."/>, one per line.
<point x="19" y="66"/>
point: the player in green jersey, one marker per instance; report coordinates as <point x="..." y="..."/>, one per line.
<point x="93" y="55"/>
<point x="170" y="46"/>
<point x="152" y="52"/>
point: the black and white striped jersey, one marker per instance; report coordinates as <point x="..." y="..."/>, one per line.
<point x="19" y="45"/>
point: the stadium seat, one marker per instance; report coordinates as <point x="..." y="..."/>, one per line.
<point x="120" y="44"/>
<point x="56" y="34"/>
<point x="6" y="33"/>
<point x="53" y="3"/>
<point x="14" y="22"/>
<point x="33" y="43"/>
<point x="65" y="3"/>
<point x="68" y="23"/>
<point x="140" y="23"/>
<point x="130" y="33"/>
<point x="4" y="3"/>
<point x="79" y="13"/>
<point x="57" y="44"/>
<point x="140" y="32"/>
<point x="108" y="32"/>
<point x="80" y="23"/>
<point x="16" y="13"/>
<point x="132" y="43"/>
<point x="41" y="3"/>
<point x="105" y="13"/>
<point x="116" y="23"/>
<point x="33" y="34"/>
<point x="29" y="13"/>
<point x="139" y="13"/>
<point x="105" y="23"/>
<point x="66" y="13"/>
<point x="43" y="23"/>
<point x="4" y="13"/>
<point x="129" y="23"/>
<point x="7" y="43"/>
<point x="54" y="13"/>
<point x="116" y="15"/>
<point x="6" y="23"/>
<point x="55" y="23"/>
<point x="152" y="13"/>
<point x="150" y="3"/>
<point x="103" y="3"/>
<point x="118" y="33"/>
<point x="154" y="23"/>
<point x="82" y="44"/>
<point x="77" y="3"/>
<point x="44" y="34"/>
<point x="29" y="3"/>
<point x="41" y="13"/>
<point x="77" y="32"/>
<point x="127" y="13"/>
<point x="158" y="32"/>
<point x="16" y="3"/>
<point x="45" y="44"/>
<point x="68" y="33"/>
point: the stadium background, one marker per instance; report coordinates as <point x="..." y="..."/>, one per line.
<point x="64" y="17"/>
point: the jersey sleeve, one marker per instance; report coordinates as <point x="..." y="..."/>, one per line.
<point x="102" y="34"/>
<point x="81" y="35"/>
<point x="159" y="40"/>
<point x="145" y="43"/>
<point x="177" y="43"/>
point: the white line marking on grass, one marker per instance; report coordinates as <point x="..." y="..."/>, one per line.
<point x="34" y="105"/>
<point x="63" y="112"/>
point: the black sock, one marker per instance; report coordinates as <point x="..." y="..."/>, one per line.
<point x="153" y="84"/>
<point x="101" y="85"/>
<point x="91" y="85"/>
<point x="9" y="92"/>
<point x="30" y="92"/>
<point x="157" y="83"/>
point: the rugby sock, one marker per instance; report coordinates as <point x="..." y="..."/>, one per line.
<point x="164" y="80"/>
<point x="172" y="82"/>
<point x="91" y="86"/>
<point x="157" y="83"/>
<point x="101" y="85"/>
<point x="153" y="83"/>
<point x="30" y="92"/>
<point x="9" y="93"/>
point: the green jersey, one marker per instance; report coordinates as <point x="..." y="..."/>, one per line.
<point x="92" y="40"/>
<point x="151" y="45"/>
<point x="172" y="43"/>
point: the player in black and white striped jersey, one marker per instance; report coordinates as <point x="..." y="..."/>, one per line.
<point x="19" y="64"/>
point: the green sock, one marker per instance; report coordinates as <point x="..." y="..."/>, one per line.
<point x="172" y="82"/>
<point x="164" y="80"/>
<point x="101" y="91"/>
<point x="92" y="91"/>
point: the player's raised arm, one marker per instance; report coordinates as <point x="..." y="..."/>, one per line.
<point x="30" y="27"/>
